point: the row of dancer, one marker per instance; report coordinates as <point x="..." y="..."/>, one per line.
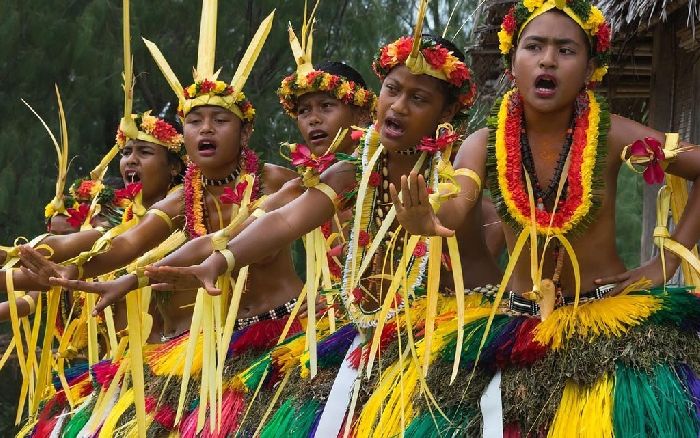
<point x="409" y="326"/>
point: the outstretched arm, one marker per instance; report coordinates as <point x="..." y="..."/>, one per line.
<point x="687" y="232"/>
<point x="25" y="306"/>
<point x="64" y="247"/>
<point x="126" y="247"/>
<point x="274" y="230"/>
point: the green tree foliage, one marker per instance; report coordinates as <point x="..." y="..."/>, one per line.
<point x="77" y="45"/>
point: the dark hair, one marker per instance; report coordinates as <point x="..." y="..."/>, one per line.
<point x="341" y="69"/>
<point x="174" y="159"/>
<point x="450" y="91"/>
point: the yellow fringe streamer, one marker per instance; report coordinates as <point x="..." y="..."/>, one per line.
<point x="585" y="412"/>
<point x="611" y="316"/>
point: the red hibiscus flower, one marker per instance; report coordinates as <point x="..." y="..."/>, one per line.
<point x="336" y="251"/>
<point x="77" y="216"/>
<point x="436" y="56"/>
<point x="375" y="179"/>
<point x="129" y="192"/>
<point x="231" y="196"/>
<point x="363" y="238"/>
<point x="439" y="144"/>
<point x="302" y="157"/>
<point x="403" y="48"/>
<point x="420" y="250"/>
<point x="650" y="148"/>
<point x="356" y="135"/>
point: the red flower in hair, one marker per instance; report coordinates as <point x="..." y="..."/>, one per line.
<point x="164" y="131"/>
<point x="206" y="86"/>
<point x="403" y="48"/>
<point x="375" y="179"/>
<point x="459" y="75"/>
<point x="509" y="22"/>
<point x="77" y="216"/>
<point x="312" y="75"/>
<point x="363" y="238"/>
<point x="231" y="196"/>
<point x="603" y="38"/>
<point x="436" y="56"/>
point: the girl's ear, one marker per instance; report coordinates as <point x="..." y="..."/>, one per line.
<point x="246" y="132"/>
<point x="361" y="117"/>
<point x="449" y="112"/>
<point x="590" y="68"/>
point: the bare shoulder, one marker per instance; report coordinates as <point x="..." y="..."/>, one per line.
<point x="340" y="176"/>
<point x="274" y="177"/>
<point x="624" y="131"/>
<point x="173" y="205"/>
<point x="472" y="152"/>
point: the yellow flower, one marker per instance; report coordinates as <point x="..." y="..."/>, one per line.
<point x="595" y="20"/>
<point x="325" y="81"/>
<point x="220" y="86"/>
<point x="505" y="41"/>
<point x="598" y="74"/>
<point x="285" y="90"/>
<point x="192" y="90"/>
<point x="344" y="89"/>
<point x="449" y="65"/>
<point x="49" y="210"/>
<point x="301" y="81"/>
<point x="360" y="97"/>
<point x="148" y="123"/>
<point x="531" y="5"/>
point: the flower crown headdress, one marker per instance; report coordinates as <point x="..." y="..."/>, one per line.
<point x="426" y="56"/>
<point x="140" y="126"/>
<point x="306" y="79"/>
<point x="587" y="16"/>
<point x="207" y="89"/>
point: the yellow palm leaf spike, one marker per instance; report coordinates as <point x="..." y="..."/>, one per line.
<point x="16" y="334"/>
<point x="207" y="41"/>
<point x="252" y="53"/>
<point x="61" y="153"/>
<point x="164" y="67"/>
<point x="43" y="376"/>
<point x="415" y="60"/>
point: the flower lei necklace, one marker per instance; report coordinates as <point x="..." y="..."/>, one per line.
<point x="366" y="228"/>
<point x="506" y="162"/>
<point x="194" y="191"/>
